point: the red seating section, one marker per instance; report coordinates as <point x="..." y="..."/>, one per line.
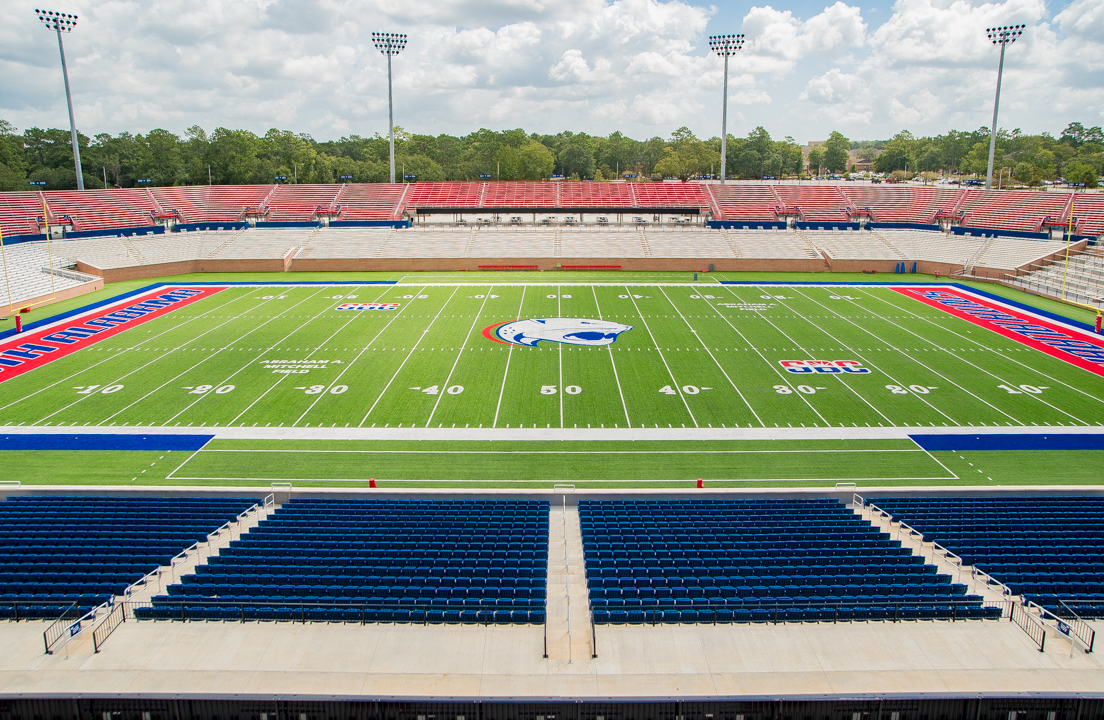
<point x="102" y="209"/>
<point x="904" y="204"/>
<point x="1012" y="209"/>
<point x="371" y="202"/>
<point x="206" y="203"/>
<point x="300" y="203"/>
<point x="110" y="209"/>
<point x="816" y="202"/>
<point x="18" y="211"/>
<point x="745" y="202"/>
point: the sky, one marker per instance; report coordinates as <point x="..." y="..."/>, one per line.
<point x="639" y="66"/>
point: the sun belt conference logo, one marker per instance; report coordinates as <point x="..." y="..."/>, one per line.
<point x="569" y="331"/>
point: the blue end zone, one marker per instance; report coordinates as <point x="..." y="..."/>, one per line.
<point x="937" y="443"/>
<point x="160" y="443"/>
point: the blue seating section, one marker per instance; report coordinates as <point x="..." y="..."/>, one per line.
<point x="1043" y="548"/>
<point x="755" y="560"/>
<point x="57" y="550"/>
<point x="377" y="561"/>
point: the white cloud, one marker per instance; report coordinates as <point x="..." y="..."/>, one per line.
<point x="641" y="66"/>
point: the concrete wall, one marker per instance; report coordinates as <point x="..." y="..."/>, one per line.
<point x="544" y="264"/>
<point x="142" y="272"/>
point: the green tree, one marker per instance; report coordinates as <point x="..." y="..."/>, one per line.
<point x="836" y="154"/>
<point x="816" y="160"/>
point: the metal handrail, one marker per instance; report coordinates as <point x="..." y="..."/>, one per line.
<point x="1073" y="626"/>
<point x="54" y="632"/>
<point x="114" y="619"/>
<point x="1030" y="625"/>
<point x="73" y="629"/>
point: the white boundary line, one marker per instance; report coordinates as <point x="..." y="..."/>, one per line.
<point x="506" y="372"/>
<point x="910" y="357"/>
<point x="413" y="349"/>
<point x="670" y="374"/>
<point x="444" y="388"/>
<point x="768" y="363"/>
<point x="963" y="359"/>
<point x="353" y="361"/>
<point x="715" y="361"/>
<point x="214" y="354"/>
<point x="613" y="364"/>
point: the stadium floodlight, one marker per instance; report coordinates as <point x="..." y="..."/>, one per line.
<point x="390" y="44"/>
<point x="1003" y="36"/>
<point x="726" y="46"/>
<point x="59" y="22"/>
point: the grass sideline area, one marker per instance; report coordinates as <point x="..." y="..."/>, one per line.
<point x="699" y="355"/>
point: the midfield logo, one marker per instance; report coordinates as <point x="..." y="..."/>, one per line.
<point x="368" y="306"/>
<point x="825" y="367"/>
<point x="569" y="331"/>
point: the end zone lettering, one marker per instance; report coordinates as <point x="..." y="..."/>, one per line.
<point x="826" y="367"/>
<point x="368" y="306"/>
<point x="1075" y="347"/>
<point x="27" y="351"/>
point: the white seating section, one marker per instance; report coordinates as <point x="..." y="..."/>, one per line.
<point x="855" y="245"/>
<point x="28" y="273"/>
<point x="768" y="244"/>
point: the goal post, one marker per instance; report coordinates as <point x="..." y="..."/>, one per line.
<point x="49" y="266"/>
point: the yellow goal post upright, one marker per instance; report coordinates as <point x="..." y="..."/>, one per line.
<point x="49" y="261"/>
<point x="1065" y="271"/>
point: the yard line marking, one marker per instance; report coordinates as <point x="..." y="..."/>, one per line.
<point x="1008" y="357"/>
<point x="561" y="393"/>
<point x="506" y="372"/>
<point x="682" y="396"/>
<point x="811" y="356"/>
<point x="283" y="377"/>
<point x="992" y="375"/>
<point x="353" y="361"/>
<point x="779" y="373"/>
<point x="910" y="357"/>
<point x="718" y="364"/>
<point x="151" y="362"/>
<point x="859" y="354"/>
<point x="612" y="363"/>
<point x="460" y="354"/>
<point x="420" y="338"/>
<point x="123" y="352"/>
<point x="193" y="367"/>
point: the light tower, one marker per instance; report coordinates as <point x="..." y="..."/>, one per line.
<point x="1002" y="36"/>
<point x="390" y="44"/>
<point x="59" y="22"/>
<point x="726" y="46"/>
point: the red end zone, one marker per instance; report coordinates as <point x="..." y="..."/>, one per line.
<point x="27" y="351"/>
<point x="1076" y="347"/>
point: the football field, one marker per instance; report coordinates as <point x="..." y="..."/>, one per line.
<point x="303" y="366"/>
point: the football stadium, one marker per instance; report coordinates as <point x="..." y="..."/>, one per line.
<point x="586" y="449"/>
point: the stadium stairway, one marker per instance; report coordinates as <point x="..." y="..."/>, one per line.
<point x="566" y="607"/>
<point x="960" y="573"/>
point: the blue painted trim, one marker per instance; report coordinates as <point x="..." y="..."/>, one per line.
<point x="902" y="226"/>
<point x="826" y="225"/>
<point x="370" y="223"/>
<point x="314" y="224"/>
<point x="741" y="224"/>
<point x="988" y="233"/>
<point x="114" y="232"/>
<point x="154" y="286"/>
<point x="958" y="443"/>
<point x="153" y="442"/>
<point x="16" y="239"/>
<point x="228" y="225"/>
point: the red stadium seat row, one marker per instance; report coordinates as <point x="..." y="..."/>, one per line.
<point x="110" y="209"/>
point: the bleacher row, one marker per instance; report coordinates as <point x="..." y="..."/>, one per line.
<point x="740" y="560"/>
<point x="391" y="561"/>
<point x="56" y="550"/>
<point x="1042" y="551"/>
<point x="749" y="560"/>
<point x="127" y="208"/>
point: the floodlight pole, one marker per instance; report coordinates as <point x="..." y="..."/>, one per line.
<point x="999" y="36"/>
<point x="58" y="22"/>
<point x="390" y="44"/>
<point x="725" y="46"/>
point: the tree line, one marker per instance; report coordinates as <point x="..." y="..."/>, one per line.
<point x="225" y="157"/>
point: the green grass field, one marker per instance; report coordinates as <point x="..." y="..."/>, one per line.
<point x="294" y="388"/>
